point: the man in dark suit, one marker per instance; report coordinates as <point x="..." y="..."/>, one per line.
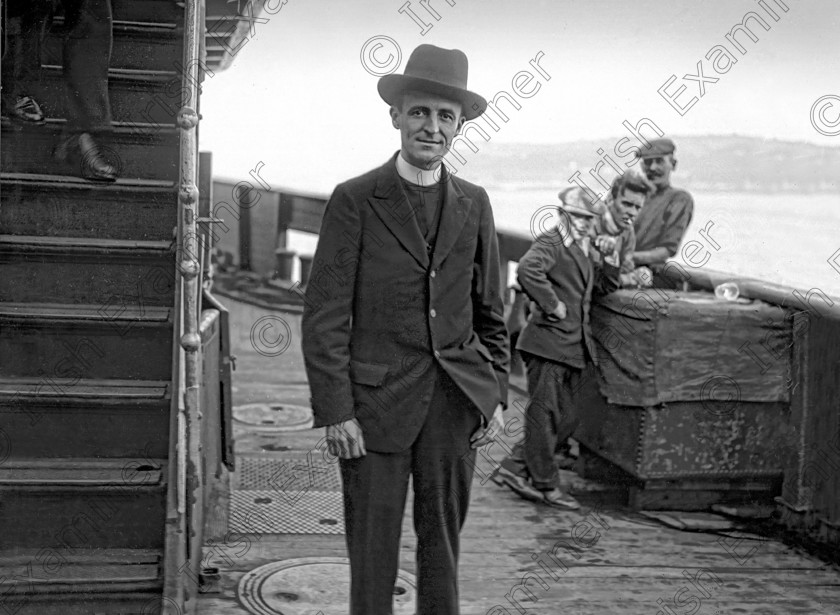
<point x="559" y="276"/>
<point x="404" y="339"/>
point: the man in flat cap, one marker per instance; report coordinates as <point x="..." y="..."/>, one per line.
<point x="560" y="275"/>
<point x="404" y="339"/>
<point x="662" y="223"/>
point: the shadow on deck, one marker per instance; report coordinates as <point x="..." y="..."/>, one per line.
<point x="517" y="557"/>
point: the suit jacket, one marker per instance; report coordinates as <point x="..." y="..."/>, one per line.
<point x="553" y="271"/>
<point x="381" y="309"/>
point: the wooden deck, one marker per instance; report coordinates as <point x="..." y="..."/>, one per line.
<point x="513" y="560"/>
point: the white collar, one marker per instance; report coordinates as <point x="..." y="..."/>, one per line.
<point x="416" y="175"/>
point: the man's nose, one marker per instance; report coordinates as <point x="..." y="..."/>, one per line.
<point x="431" y="125"/>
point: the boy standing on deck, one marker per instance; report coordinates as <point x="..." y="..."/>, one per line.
<point x="558" y="274"/>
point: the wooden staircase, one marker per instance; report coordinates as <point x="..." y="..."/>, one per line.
<point x="89" y="339"/>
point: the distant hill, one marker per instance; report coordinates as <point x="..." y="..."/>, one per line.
<point x="707" y="163"/>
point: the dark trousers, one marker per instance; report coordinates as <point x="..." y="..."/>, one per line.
<point x="440" y="464"/>
<point x="550" y="417"/>
<point x="86" y="56"/>
<point x="24" y="25"/>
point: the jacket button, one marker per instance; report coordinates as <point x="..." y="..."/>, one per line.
<point x="432" y="274"/>
<point x="432" y="313"/>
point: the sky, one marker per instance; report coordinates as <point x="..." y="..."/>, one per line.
<point x="300" y="97"/>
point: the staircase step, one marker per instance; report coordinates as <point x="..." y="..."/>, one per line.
<point x="96" y="418"/>
<point x="150" y="97"/>
<point x="73" y="313"/>
<point x="86" y="341"/>
<point x="83" y="503"/>
<point x="104" y="601"/>
<point x="83" y="390"/>
<point x="140" y="151"/>
<point x="157" y="11"/>
<point x="113" y="274"/>
<point x="37" y="243"/>
<point x="64" y="206"/>
<point x="136" y="45"/>
<point x="75" y="472"/>
<point x="51" y="581"/>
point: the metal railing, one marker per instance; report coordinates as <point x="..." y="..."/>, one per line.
<point x="182" y="554"/>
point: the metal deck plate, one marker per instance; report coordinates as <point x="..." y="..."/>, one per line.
<point x="303" y="472"/>
<point x="295" y="494"/>
<point x="286" y="512"/>
<point x="310" y="585"/>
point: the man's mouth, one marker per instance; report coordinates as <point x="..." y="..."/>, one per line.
<point x="425" y="142"/>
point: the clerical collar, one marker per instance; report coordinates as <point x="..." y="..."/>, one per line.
<point x="416" y="175"/>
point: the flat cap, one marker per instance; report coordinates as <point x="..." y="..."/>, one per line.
<point x="657" y="147"/>
<point x="575" y="200"/>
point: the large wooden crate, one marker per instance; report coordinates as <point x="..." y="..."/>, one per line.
<point x="680" y="403"/>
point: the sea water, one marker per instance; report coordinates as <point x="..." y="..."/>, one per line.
<point x="790" y="239"/>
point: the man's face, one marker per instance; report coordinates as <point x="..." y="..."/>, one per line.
<point x="581" y="225"/>
<point x="427" y="125"/>
<point x="626" y="207"/>
<point x="658" y="169"/>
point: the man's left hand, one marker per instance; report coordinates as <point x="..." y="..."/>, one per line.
<point x="482" y="436"/>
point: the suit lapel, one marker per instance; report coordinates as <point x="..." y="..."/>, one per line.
<point x="455" y="211"/>
<point x="392" y="206"/>
<point x="582" y="261"/>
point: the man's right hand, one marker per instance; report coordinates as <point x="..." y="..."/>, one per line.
<point x="560" y="311"/>
<point x="345" y="439"/>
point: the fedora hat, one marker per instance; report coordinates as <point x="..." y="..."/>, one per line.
<point x="435" y="71"/>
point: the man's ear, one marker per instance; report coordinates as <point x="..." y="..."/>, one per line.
<point x="673" y="163"/>
<point x="461" y="123"/>
<point x="395" y="117"/>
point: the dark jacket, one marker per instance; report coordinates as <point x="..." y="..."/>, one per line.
<point x="664" y="220"/>
<point x="550" y="272"/>
<point x="380" y="311"/>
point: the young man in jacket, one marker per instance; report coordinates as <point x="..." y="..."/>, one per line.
<point x="559" y="275"/>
